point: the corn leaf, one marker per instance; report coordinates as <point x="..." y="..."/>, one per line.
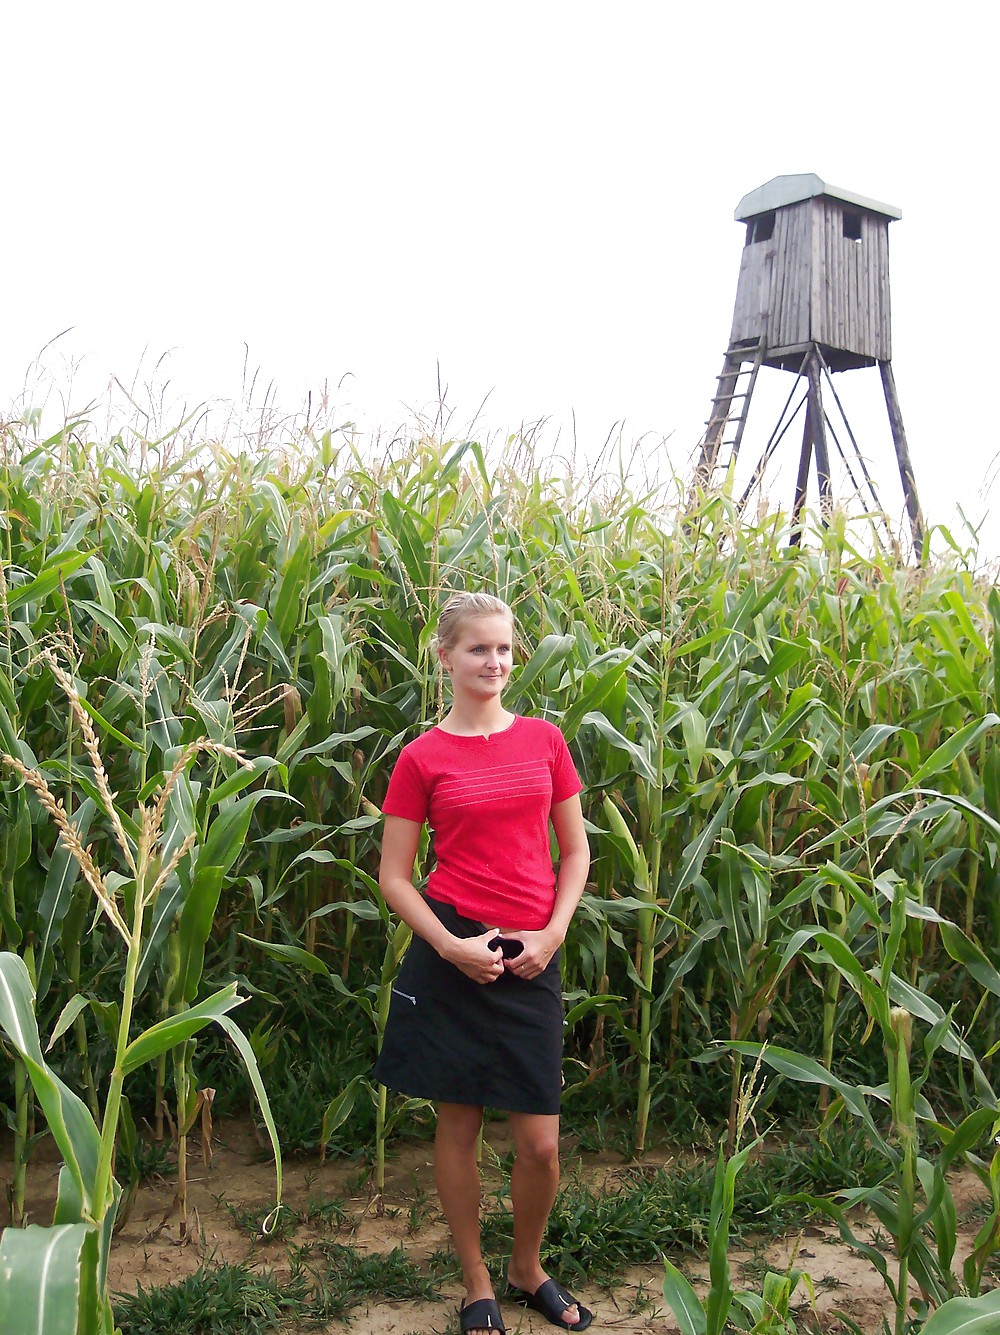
<point x="40" y="1279"/>
<point x="242" y="1045"/>
<point x="948" y="752"/>
<point x="683" y="1301"/>
<point x="966" y="1316"/>
<point x="176" y="1028"/>
<point x="67" y="1116"/>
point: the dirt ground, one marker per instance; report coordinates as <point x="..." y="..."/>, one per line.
<point x="150" y="1250"/>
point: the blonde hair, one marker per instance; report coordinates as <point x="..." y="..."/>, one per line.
<point x="462" y="607"/>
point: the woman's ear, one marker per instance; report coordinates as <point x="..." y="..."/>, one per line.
<point x="444" y="658"/>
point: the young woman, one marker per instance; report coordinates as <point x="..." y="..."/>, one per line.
<point x="476" y="1013"/>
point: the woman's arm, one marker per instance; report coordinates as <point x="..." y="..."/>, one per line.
<point x="472" y="954"/>
<point x="574" y="863"/>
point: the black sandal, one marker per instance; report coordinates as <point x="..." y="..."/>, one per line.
<point x="551" y="1299"/>
<point x="484" y="1314"/>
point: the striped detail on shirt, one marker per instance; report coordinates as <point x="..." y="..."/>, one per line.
<point x="498" y="782"/>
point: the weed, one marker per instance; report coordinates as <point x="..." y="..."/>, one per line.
<point x="215" y="1300"/>
<point x="976" y="1212"/>
<point x="443" y="1264"/>
<point x="251" y="1219"/>
<point x="325" y="1281"/>
<point x="831" y="1282"/>
<point x="338" y="1278"/>
<point x="602" y="1133"/>
<point x="421" y="1207"/>
<point x="823" y="1164"/>
<point x="755" y="1267"/>
<point x="151" y="1161"/>
<point x="643" y="1303"/>
<point x="332" y="1213"/>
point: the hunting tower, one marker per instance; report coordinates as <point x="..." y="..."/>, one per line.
<point x="812" y="298"/>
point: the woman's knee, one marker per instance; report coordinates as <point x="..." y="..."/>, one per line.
<point x="458" y="1125"/>
<point x="536" y="1140"/>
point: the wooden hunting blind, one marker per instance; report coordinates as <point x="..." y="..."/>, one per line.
<point x="812" y="298"/>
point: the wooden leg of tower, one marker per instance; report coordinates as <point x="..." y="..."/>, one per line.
<point x="817" y="422"/>
<point x="903" y="457"/>
<point x="801" y="482"/>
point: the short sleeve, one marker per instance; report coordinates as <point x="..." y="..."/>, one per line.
<point x="406" y="795"/>
<point x="565" y="780"/>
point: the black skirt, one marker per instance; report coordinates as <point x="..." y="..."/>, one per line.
<point x="448" y="1039"/>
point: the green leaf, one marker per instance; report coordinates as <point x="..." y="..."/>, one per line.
<point x="108" y="622"/>
<point x="335" y="739"/>
<point x="872" y="737"/>
<point x="226" y="838"/>
<point x="641" y="762"/>
<point x="806" y="1069"/>
<point x="68" y="1014"/>
<point x="338" y="1110"/>
<point x="801" y="701"/>
<point x="847" y="963"/>
<point x="967" y="953"/>
<point x="103" y="723"/>
<point x="731" y="902"/>
<point x="253" y="1070"/>
<point x="604" y="1003"/>
<point x="243" y="777"/>
<point x="287" y="604"/>
<point x="683" y="1301"/>
<point x="949" y="751"/>
<point x="694" y="730"/>
<point x="552" y="649"/>
<point x="176" y="1028"/>
<point x="966" y="1316"/>
<point x="40" y="1278"/>
<point x="60" y="880"/>
<point x="68" y="1117"/>
<point x="707" y="931"/>
<point x="694" y="855"/>
<point x="302" y="959"/>
<point x="602" y="679"/>
<point x="180" y="823"/>
<point x="47" y="581"/>
<point x="622" y="836"/>
<point x="720" y="1294"/>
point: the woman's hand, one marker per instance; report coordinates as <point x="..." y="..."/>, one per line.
<point x="539" y="947"/>
<point x="473" y="956"/>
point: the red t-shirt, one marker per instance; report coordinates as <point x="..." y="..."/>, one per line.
<point x="488" y="801"/>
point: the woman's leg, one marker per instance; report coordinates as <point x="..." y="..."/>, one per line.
<point x="533" y="1183"/>
<point x="456" y="1172"/>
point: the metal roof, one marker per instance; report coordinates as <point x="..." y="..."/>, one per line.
<point x="782" y="190"/>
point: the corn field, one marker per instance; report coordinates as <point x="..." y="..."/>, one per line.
<point x="209" y="661"/>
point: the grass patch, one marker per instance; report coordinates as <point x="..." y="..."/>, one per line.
<point x="340" y="1277"/>
<point x="250" y="1219"/>
<point x="326" y="1280"/>
<point x="215" y="1300"/>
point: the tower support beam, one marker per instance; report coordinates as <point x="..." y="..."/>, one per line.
<point x="816" y="418"/>
<point x="903" y="456"/>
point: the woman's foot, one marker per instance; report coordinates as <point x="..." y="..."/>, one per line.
<point x="530" y="1280"/>
<point x="479" y="1286"/>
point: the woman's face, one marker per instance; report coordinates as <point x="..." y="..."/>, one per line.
<point x="480" y="660"/>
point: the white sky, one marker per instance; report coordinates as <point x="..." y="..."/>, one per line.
<point x="536" y="196"/>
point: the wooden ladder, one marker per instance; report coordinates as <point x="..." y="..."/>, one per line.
<point x="723" y="436"/>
